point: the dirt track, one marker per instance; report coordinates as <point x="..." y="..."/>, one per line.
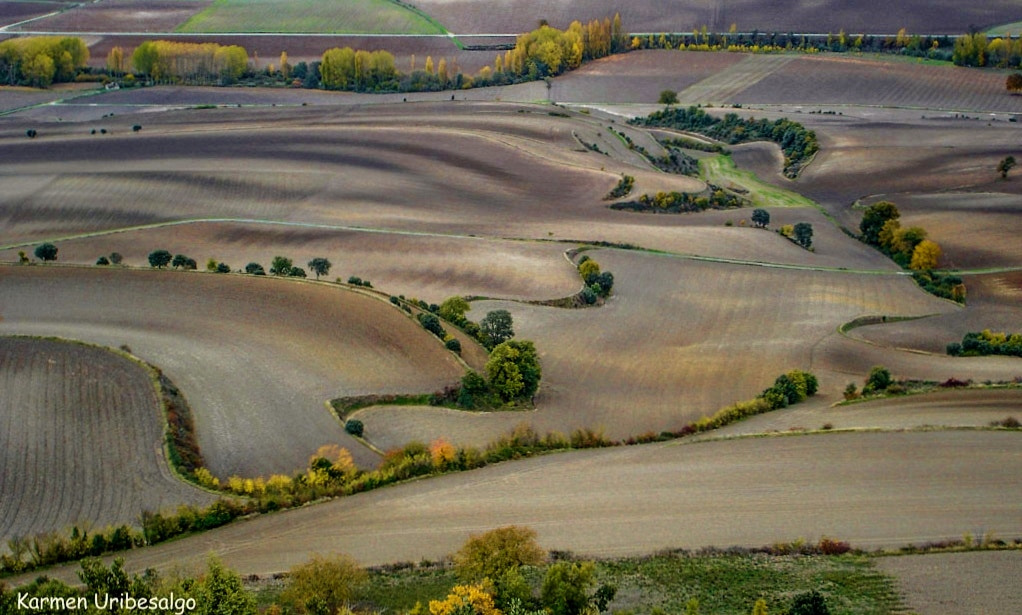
<point x="871" y="489"/>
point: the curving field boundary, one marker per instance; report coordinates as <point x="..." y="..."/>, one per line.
<point x="872" y="489"/>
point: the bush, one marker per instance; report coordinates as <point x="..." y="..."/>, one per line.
<point x="102" y="260"/>
<point x="31" y="133"/>
<point x="354" y="427"/>
<point x="223" y="268"/>
<point x="453" y="345"/>
<point x="878" y="380"/>
<point x="492" y="554"/>
<point x="46" y="252"/>
<point x="809" y="603"/>
<point x="136" y="128"/>
<point x="431" y="323"/>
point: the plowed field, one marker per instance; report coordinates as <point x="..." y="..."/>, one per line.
<point x="81" y="440"/>
<point x="257" y="359"/>
<point x="874" y="489"/>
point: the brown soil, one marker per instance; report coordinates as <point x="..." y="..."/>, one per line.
<point x="974" y="583"/>
<point x="256" y="358"/>
<point x="874" y="490"/>
<point x="81" y="440"/>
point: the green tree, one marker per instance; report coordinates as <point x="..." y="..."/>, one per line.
<point x="668" y="97"/>
<point x="281" y="265"/>
<point x="1006" y="164"/>
<point x="46" y="252"/>
<point x="179" y="261"/>
<point x="874" y="218"/>
<point x="296" y="272"/>
<point x="453" y="309"/>
<point x="513" y="370"/>
<point x="116" y="258"/>
<point x="804" y="234"/>
<point x="223" y="268"/>
<point x="324" y="585"/>
<point x="589" y="269"/>
<point x="255" y="269"/>
<point x="566" y="587"/>
<point x="320" y="266"/>
<point x="496" y="327"/>
<point x="220" y="592"/>
<point x="432" y="324"/>
<point x="160" y="258"/>
<point x="761" y="218"/>
<point x="878" y="380"/>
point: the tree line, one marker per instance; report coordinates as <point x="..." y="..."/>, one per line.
<point x="39" y="61"/>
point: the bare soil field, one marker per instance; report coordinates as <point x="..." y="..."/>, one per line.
<point x="122" y="16"/>
<point x="639" y="76"/>
<point x="14" y="12"/>
<point x="431" y="268"/>
<point x="874" y="490"/>
<point x="81" y="440"/>
<point x="947" y="408"/>
<point x="680" y="339"/>
<point x="881" y="81"/>
<point x="257" y="359"/>
<point x="941" y="17"/>
<point x="974" y="583"/>
<point x="993" y="303"/>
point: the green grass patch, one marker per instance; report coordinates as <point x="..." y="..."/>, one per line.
<point x="1013" y="28"/>
<point x="721" y="170"/>
<point x="317" y="16"/>
<point x="721" y="582"/>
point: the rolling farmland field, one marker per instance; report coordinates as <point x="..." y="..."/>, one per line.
<point x="491" y="193"/>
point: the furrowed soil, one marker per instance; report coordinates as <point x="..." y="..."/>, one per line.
<point x="256" y="358"/>
<point x="81" y="440"/>
<point x="961" y="583"/>
<point x="873" y="489"/>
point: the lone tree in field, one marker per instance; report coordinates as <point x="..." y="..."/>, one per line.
<point x="761" y="218"/>
<point x="496" y="327"/>
<point x="281" y="265"/>
<point x="1014" y="83"/>
<point x="160" y="258"/>
<point x="1005" y="165"/>
<point x="668" y="97"/>
<point x="804" y="234"/>
<point x="46" y="252"/>
<point x="874" y="218"/>
<point x="325" y="584"/>
<point x="320" y="266"/>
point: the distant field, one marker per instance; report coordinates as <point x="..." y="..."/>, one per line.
<point x="922" y="16"/>
<point x="341" y="16"/>
<point x="13" y="12"/>
<point x="81" y="440"/>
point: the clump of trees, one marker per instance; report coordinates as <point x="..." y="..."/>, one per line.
<point x="200" y="63"/>
<point x="39" y="61"/>
<point x="797" y="142"/>
<point x="800" y="233"/>
<point x="623" y="188"/>
<point x="180" y="261"/>
<point x="598" y="283"/>
<point x="714" y="197"/>
<point x="987" y="342"/>
<point x="361" y="71"/>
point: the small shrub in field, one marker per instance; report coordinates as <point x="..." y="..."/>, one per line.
<point x="453" y="345"/>
<point x="1010" y="422"/>
<point x="102" y="260"/>
<point x="851" y="391"/>
<point x="878" y="380"/>
<point x="354" y="427"/>
<point x="31" y="133"/>
<point x="828" y="546"/>
<point x="954" y="383"/>
<point x="116" y="258"/>
<point x="136" y="128"/>
<point x="827" y="426"/>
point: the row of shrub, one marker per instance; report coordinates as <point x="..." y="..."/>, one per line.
<point x="798" y="143"/>
<point x="331" y="473"/>
<point x="987" y="342"/>
<point x="714" y="197"/>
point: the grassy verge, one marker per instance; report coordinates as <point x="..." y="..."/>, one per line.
<point x="721" y="581"/>
<point x="721" y="170"/>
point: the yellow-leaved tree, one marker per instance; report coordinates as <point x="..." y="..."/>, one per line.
<point x="925" y="256"/>
<point x="464" y="599"/>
